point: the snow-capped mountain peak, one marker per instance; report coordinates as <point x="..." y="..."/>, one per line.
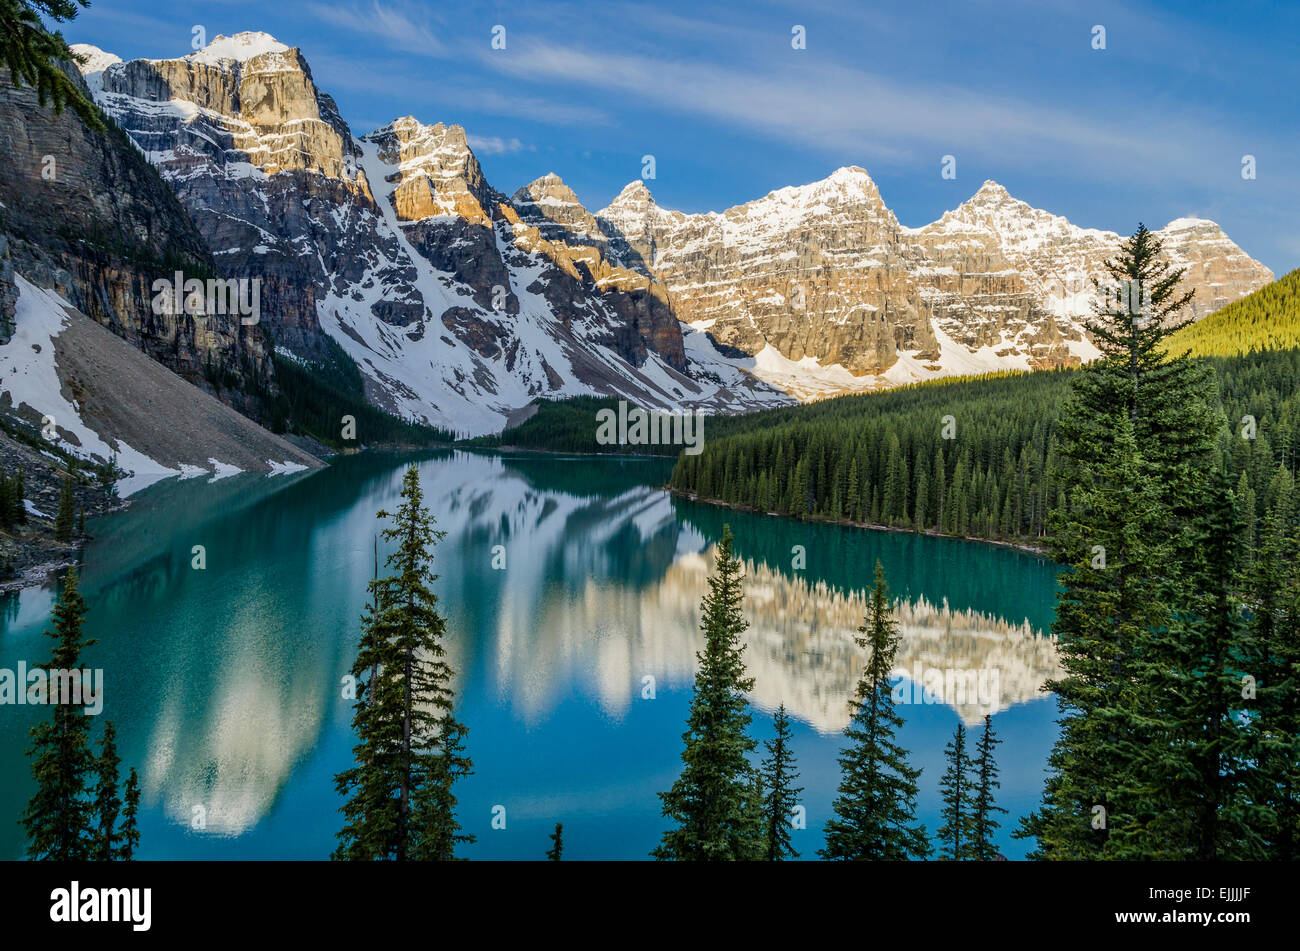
<point x="458" y="307"/>
<point x="461" y="305"/>
<point x="240" y="48"/>
<point x="992" y="188"/>
<point x="633" y="192"/>
<point x="94" y="62"/>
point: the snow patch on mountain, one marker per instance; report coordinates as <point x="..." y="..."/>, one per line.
<point x="95" y="61"/>
<point x="810" y="290"/>
<point x="30" y="377"/>
<point x="240" y="47"/>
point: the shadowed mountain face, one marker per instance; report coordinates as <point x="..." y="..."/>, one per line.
<point x="456" y="311"/>
<point x="83" y="213"/>
<point x="461" y="305"/>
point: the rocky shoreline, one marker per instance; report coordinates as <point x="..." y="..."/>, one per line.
<point x="29" y="552"/>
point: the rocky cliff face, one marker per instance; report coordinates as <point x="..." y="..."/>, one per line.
<point x="262" y="161"/>
<point x="814" y="272"/>
<point x="461" y="305"/>
<point x="85" y="214"/>
<point x="827" y="292"/>
<point x="457" y="309"/>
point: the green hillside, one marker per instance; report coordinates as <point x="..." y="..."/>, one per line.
<point x="1268" y="319"/>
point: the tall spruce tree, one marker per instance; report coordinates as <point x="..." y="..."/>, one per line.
<point x="1197" y="766"/>
<point x="107" y="803"/>
<point x="711" y="805"/>
<point x="1111" y="599"/>
<point x="781" y="796"/>
<point x="875" y="809"/>
<point x="410" y="749"/>
<point x="956" y="833"/>
<point x="983" y="823"/>
<point x="434" y="812"/>
<point x="556" y="852"/>
<point x="65" y="519"/>
<point x="60" y="818"/>
<point x="76" y="812"/>
<point x="1136" y="440"/>
<point x="129" y="833"/>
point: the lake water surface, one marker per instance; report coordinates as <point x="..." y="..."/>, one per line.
<point x="224" y="683"/>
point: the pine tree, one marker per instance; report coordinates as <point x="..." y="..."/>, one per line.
<point x="1167" y="398"/>
<point x="875" y="809"/>
<point x="410" y="748"/>
<point x="60" y="818"/>
<point x="894" y="503"/>
<point x="781" y="796"/>
<point x="710" y="804"/>
<point x="107" y="804"/>
<point x="1112" y="597"/>
<point x="983" y="825"/>
<point x="438" y="831"/>
<point x="799" y="490"/>
<point x="129" y="834"/>
<point x="65" y="520"/>
<point x="854" y="504"/>
<point x="1135" y="447"/>
<point x="956" y="832"/>
<point x="32" y="54"/>
<point x="556" y="851"/>
<point x="109" y="474"/>
<point x="922" y="499"/>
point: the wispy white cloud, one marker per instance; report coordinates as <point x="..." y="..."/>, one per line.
<point x="495" y="145"/>
<point x="454" y="98"/>
<point x="852" y="114"/>
<point x="401" y="27"/>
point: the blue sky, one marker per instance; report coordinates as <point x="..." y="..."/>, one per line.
<point x="1151" y="128"/>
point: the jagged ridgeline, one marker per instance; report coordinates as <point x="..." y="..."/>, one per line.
<point x="1268" y="319"/>
<point x="462" y="304"/>
<point x="104" y="260"/>
<point x="886" y="459"/>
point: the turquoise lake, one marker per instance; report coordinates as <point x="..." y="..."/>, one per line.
<point x="574" y="660"/>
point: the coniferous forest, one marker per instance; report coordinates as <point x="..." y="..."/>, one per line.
<point x="973" y="458"/>
<point x="1174" y="513"/>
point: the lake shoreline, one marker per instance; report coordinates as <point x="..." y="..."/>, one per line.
<point x="563" y="452"/>
<point x="848" y="523"/>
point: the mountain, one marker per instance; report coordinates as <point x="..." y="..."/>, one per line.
<point x="84" y="213"/>
<point x="456" y="310"/>
<point x="461" y="305"/>
<point x="95" y="365"/>
<point x="108" y="399"/>
<point x="823" y="288"/>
